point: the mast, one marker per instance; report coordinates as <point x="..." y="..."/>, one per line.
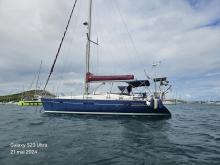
<point x="38" y="76"/>
<point x="89" y="23"/>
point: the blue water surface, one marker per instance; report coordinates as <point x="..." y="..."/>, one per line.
<point x="190" y="136"/>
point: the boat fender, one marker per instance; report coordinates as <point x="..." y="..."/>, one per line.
<point x="148" y="103"/>
<point x="155" y="103"/>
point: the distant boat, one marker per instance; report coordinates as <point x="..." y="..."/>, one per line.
<point x="169" y="102"/>
<point x="125" y="102"/>
<point x="30" y="103"/>
<point x="34" y="100"/>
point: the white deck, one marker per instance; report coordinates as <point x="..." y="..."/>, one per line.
<point x="106" y="96"/>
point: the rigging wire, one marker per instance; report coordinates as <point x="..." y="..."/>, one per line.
<point x="129" y="34"/>
<point x="67" y="61"/>
<point x="38" y="75"/>
<point x="32" y="82"/>
<point x="95" y="62"/>
<point x="58" y="51"/>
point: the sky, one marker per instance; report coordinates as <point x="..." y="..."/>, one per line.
<point x="184" y="35"/>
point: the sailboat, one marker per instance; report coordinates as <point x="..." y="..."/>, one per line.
<point x="32" y="98"/>
<point x="30" y="102"/>
<point x="125" y="102"/>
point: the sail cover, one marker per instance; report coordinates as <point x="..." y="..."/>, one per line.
<point x="160" y="79"/>
<point x="139" y="83"/>
<point x="91" y="77"/>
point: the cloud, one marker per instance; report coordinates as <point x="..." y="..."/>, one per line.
<point x="183" y="34"/>
<point x="212" y="74"/>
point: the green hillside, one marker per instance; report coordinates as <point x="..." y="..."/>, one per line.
<point x="29" y="94"/>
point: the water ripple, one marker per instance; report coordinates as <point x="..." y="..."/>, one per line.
<point x="191" y="136"/>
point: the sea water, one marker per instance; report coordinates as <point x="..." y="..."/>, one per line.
<point x="190" y="136"/>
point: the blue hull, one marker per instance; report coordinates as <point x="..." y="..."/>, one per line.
<point x="112" y="107"/>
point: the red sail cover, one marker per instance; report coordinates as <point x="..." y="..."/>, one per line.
<point x="90" y="77"/>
